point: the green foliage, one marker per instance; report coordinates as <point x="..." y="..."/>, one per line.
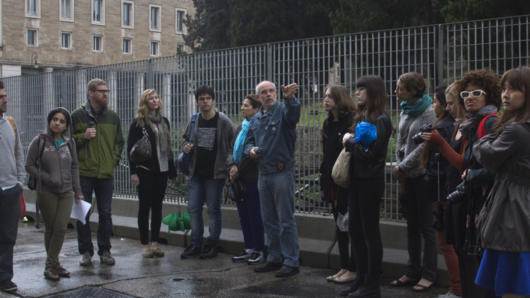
<point x="463" y="10"/>
<point x="225" y="23"/>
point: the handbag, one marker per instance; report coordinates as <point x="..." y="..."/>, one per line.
<point x="236" y="191"/>
<point x="341" y="169"/>
<point x="184" y="159"/>
<point x="141" y="151"/>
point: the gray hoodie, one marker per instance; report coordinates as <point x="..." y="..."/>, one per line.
<point x="58" y="171"/>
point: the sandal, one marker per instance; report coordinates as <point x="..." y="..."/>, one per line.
<point x="421" y="288"/>
<point x="400" y="283"/>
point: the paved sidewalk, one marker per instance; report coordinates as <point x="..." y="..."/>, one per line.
<point x="134" y="276"/>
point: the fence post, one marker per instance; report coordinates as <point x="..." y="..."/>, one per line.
<point x="440" y="56"/>
<point x="268" y="61"/>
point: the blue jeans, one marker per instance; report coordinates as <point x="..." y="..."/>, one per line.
<point x="103" y="189"/>
<point x="276" y="193"/>
<point x="9" y="213"/>
<point x="250" y="219"/>
<point x="209" y="191"/>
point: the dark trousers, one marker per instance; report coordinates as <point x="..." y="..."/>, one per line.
<point x="151" y="193"/>
<point x="250" y="219"/>
<point x="340" y="205"/>
<point x="418" y="196"/>
<point x="469" y="265"/>
<point x="9" y="213"/>
<point x="103" y="189"/>
<point x="364" y="228"/>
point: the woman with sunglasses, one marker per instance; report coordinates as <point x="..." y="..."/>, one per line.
<point x="480" y="93"/>
<point x="504" y="221"/>
<point x="52" y="159"/>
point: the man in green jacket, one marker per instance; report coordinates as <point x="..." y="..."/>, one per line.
<point x="97" y="132"/>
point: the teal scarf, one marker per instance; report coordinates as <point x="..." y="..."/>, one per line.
<point x="240" y="141"/>
<point x="415" y="109"/>
<point x="59" y="143"/>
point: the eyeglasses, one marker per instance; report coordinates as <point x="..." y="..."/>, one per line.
<point x="474" y="93"/>
<point x="103" y="91"/>
<point x="265" y="91"/>
<point x="55" y="119"/>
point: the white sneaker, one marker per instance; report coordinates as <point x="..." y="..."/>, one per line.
<point x="255" y="258"/>
<point x="449" y="295"/>
<point x="243" y="257"/>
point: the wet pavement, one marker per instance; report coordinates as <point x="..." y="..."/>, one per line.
<point x="134" y="276"/>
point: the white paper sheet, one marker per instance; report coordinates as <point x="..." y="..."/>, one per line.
<point x="80" y="210"/>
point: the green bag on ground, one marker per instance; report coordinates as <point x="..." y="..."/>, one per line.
<point x="177" y="221"/>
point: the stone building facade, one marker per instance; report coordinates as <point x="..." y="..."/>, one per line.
<point x="42" y="35"/>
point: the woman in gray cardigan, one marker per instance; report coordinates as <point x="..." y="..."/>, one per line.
<point x="417" y="113"/>
<point x="52" y="159"/>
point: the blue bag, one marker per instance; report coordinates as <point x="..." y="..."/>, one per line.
<point x="365" y="133"/>
<point x="184" y="159"/>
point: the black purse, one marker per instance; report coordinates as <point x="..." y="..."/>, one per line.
<point x="141" y="151"/>
<point x="236" y="191"/>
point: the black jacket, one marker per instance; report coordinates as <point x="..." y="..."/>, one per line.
<point x="370" y="164"/>
<point x="135" y="134"/>
<point x="332" y="133"/>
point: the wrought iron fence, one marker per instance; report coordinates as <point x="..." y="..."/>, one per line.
<point x="442" y="53"/>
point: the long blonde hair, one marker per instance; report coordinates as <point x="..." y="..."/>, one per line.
<point x="142" y="115"/>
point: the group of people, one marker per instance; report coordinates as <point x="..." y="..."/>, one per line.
<point x="77" y="155"/>
<point x="464" y="175"/>
<point x="462" y="165"/>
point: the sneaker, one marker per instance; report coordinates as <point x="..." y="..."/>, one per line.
<point x="86" y="259"/>
<point x="287" y="271"/>
<point x="449" y="295"/>
<point x="8" y="286"/>
<point x="190" y="251"/>
<point x="255" y="258"/>
<point x="243" y="257"/>
<point x="106" y="258"/>
<point x="210" y="252"/>
<point x="268" y="267"/>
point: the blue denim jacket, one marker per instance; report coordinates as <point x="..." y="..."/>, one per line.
<point x="274" y="132"/>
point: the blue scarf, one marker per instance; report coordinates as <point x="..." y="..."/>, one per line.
<point x="240" y="141"/>
<point x="59" y="143"/>
<point x="415" y="109"/>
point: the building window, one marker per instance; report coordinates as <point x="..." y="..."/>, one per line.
<point x="98" y="12"/>
<point x="127" y="17"/>
<point x="33" y="8"/>
<point x="155" y="48"/>
<point x="154" y="18"/>
<point x="67" y="10"/>
<point x="98" y="44"/>
<point x="127" y="44"/>
<point x="66" y="40"/>
<point x="32" y="38"/>
<point x="179" y="22"/>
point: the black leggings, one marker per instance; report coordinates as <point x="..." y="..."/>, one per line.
<point x="364" y="228"/>
<point x="340" y="204"/>
<point x="150" y="195"/>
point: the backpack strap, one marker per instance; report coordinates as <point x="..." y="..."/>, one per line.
<point x="192" y="121"/>
<point x="482" y="131"/>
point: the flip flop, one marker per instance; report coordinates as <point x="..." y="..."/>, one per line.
<point x="421" y="288"/>
<point x="398" y="283"/>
